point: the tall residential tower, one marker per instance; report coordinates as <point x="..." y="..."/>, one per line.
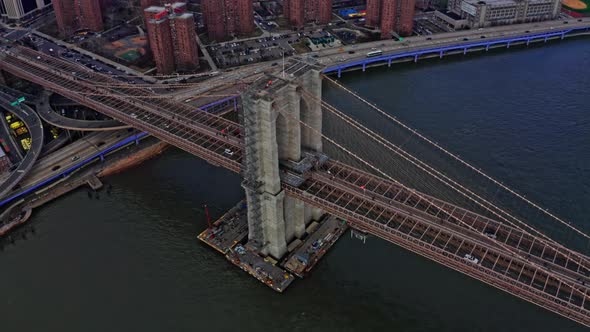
<point x="228" y="17"/>
<point x="72" y="15"/>
<point x="172" y="37"/>
<point x="391" y="16"/>
<point x="299" y="12"/>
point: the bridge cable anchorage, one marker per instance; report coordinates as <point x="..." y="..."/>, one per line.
<point x="430" y="170"/>
<point x="549" y="272"/>
<point x="457" y="158"/>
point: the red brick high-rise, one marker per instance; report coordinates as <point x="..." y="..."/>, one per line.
<point x="172" y="37"/>
<point x="89" y="14"/>
<point x="299" y="12"/>
<point x="227" y="17"/>
<point x="407" y="10"/>
<point x="324" y="12"/>
<point x="373" y="18"/>
<point x="65" y="16"/>
<point x="161" y="45"/>
<point x="391" y="15"/>
<point x="72" y="15"/>
<point x="187" y="52"/>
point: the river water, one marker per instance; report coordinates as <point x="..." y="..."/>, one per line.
<point x="131" y="262"/>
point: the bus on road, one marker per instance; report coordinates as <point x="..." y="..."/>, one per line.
<point x="374" y="53"/>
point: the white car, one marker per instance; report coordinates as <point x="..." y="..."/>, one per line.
<point x="228" y="152"/>
<point x="471" y="259"/>
<point x="490" y="235"/>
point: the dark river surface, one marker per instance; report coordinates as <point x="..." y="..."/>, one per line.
<point x="131" y="261"/>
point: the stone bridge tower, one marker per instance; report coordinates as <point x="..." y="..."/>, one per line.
<point x="282" y="120"/>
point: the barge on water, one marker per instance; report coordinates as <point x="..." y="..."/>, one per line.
<point x="263" y="269"/>
<point x="306" y="255"/>
<point x="228" y="236"/>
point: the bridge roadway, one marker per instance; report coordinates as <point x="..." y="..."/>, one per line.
<point x="49" y="115"/>
<point x="194" y="131"/>
<point x="62" y="159"/>
<point x="334" y="58"/>
<point x="532" y="268"/>
<point x="35" y="128"/>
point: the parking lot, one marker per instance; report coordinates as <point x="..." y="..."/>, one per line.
<point x="233" y="54"/>
<point x="428" y="24"/>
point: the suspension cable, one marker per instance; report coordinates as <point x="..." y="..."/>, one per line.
<point x="500" y="244"/>
<point x="445" y="179"/>
<point x="457" y="158"/>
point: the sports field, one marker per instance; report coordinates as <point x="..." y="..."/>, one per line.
<point x="130" y="55"/>
<point x="577" y="5"/>
<point x="129" y="48"/>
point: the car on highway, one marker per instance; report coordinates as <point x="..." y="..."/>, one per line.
<point x="228" y="152"/>
<point x="490" y="235"/>
<point x="74" y="158"/>
<point x="471" y="259"/>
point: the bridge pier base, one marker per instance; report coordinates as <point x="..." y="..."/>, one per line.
<point x="415" y="58"/>
<point x="546" y="38"/>
<point x="562" y="35"/>
<point x="441" y="54"/>
<point x="465" y="51"/>
<point x="487" y="47"/>
<point x="101" y="157"/>
<point x="294" y="218"/>
<point x="508" y="45"/>
<point x="364" y="67"/>
<point x="528" y="41"/>
<point x="389" y="62"/>
<point x="339" y="72"/>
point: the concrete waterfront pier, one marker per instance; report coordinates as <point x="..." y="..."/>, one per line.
<point x="282" y="118"/>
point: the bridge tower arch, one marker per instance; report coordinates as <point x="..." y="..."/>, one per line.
<point x="274" y="136"/>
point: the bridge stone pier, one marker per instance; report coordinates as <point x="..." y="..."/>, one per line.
<point x="282" y="120"/>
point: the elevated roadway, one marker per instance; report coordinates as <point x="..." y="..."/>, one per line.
<point x="338" y="59"/>
<point x="35" y="128"/>
<point x="71" y="155"/>
<point x="49" y="115"/>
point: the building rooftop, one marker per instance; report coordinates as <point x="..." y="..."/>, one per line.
<point x="493" y="2"/>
